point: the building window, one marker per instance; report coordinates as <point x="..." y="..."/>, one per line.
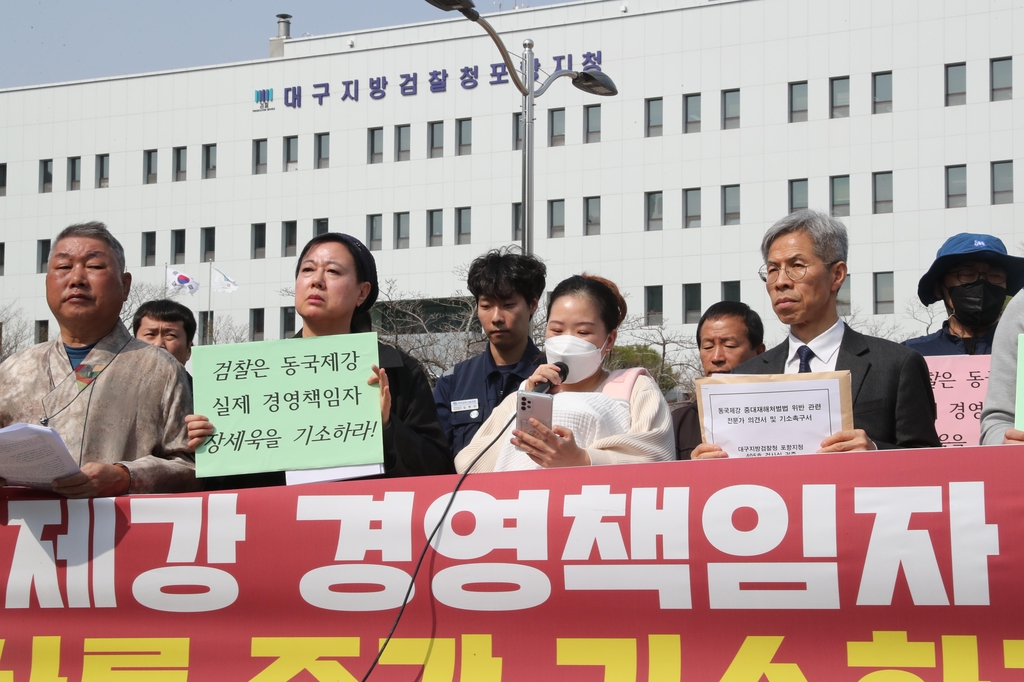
<point x="691" y="110"/>
<point x="652" y="117"/>
<point x="403" y="142"/>
<point x="208" y="245"/>
<point x="463" y="225"/>
<point x="149" y="163"/>
<point x="956" y="84"/>
<point x="259" y="157"/>
<point x="843" y="306"/>
<point x="258" y="241"/>
<point x="435" y="227"/>
<point x="956" y="186"/>
<point x="881" y="91"/>
<point x="839" y="97"/>
<point x="148" y="249"/>
<point x="3" y="250"/>
<point x="375" y="145"/>
<point x="46" y="176"/>
<point x="592" y="216"/>
<point x="592" y="123"/>
<point x="375" y="232"/>
<point x="177" y="247"/>
<point x="42" y="255"/>
<point x="435" y="139"/>
<point x="691" y="303"/>
<point x="256" y="324"/>
<point x="882" y="191"/>
<point x="322" y="142"/>
<point x="1002" y="182"/>
<point x="401" y="230"/>
<point x="730" y="109"/>
<point x="556" y="218"/>
<point x="289" y="237"/>
<point x="179" y="156"/>
<point x="556" y="128"/>
<point x="884" y="293"/>
<point x="731" y="291"/>
<point x="102" y="170"/>
<point x="42" y="331"/>
<point x="731" y="205"/>
<point x="464" y="137"/>
<point x="653" y="307"/>
<point x="3" y="179"/>
<point x="206" y="328"/>
<point x="291" y="154"/>
<point x="1001" y="77"/>
<point x="691" y="207"/>
<point x="798" y="102"/>
<point x="840" y="195"/>
<point x="517" y="131"/>
<point x="209" y="161"/>
<point x="74" y="173"/>
<point x="320" y="226"/>
<point x="797" y="195"/>
<point x="517" y="221"/>
<point x="652" y="211"/>
<point x="287" y="322"/>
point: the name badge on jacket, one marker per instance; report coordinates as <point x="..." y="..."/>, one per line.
<point x="465" y="405"/>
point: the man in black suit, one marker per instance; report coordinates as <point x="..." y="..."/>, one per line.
<point x="805" y="265"/>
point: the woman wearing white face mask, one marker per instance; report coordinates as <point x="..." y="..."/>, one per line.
<point x="599" y="417"/>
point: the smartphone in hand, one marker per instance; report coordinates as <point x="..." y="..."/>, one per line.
<point x="535" y="405"/>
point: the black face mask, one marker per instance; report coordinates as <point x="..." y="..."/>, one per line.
<point x="977" y="304"/>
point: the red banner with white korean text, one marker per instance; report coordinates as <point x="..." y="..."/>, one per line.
<point x="812" y="567"/>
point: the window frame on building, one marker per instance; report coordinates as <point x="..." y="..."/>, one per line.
<point x="321" y="226"/>
<point x="45" y="176"/>
<point x="290" y="153"/>
<point x="797" y="115"/>
<point x="463" y="136"/>
<point x="731" y="217"/>
<point x="881" y="192"/>
<point x="435" y="139"/>
<point x="150" y="166"/>
<point x="402" y="230"/>
<point x="403" y="142"/>
<point x="322" y="150"/>
<point x="654" y="305"/>
<point x="209" y="161"/>
<point x="691" y="303"/>
<point x="208" y="244"/>
<point x="375" y="232"/>
<point x="731" y="122"/>
<point x="839" y="97"/>
<point x="375" y="145"/>
<point x="1002" y="188"/>
<point x="179" y="159"/>
<point x="435" y="227"/>
<point x="880" y="282"/>
<point x="258" y="241"/>
<point x="880" y="83"/>
<point x="837" y="205"/>
<point x="956" y="71"/>
<point x="654" y="117"/>
<point x="591" y="228"/>
<point x="148" y="256"/>
<point x="259" y="156"/>
<point x="691" y="124"/>
<point x="257" y="320"/>
<point x="556" y="127"/>
<point x="654" y="211"/>
<point x="691" y="219"/>
<point x="794" y="186"/>
<point x="464" y="225"/>
<point x="1005" y="89"/>
<point x="43" y="247"/>
<point x="289" y="238"/>
<point x="591" y="127"/>
<point x="74" y="180"/>
<point x="957" y="199"/>
<point x="556" y="218"/>
<point x="178" y="243"/>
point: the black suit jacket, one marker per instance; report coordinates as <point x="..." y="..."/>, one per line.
<point x="892" y="394"/>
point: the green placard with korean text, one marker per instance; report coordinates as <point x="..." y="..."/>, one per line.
<point x="288" y="404"/>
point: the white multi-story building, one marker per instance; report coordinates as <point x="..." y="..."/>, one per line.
<point x="897" y="114"/>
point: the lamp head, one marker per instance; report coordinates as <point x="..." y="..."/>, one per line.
<point x="464" y="6"/>
<point x="594" y="82"/>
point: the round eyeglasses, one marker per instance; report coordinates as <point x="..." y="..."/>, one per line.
<point x="795" y="271"/>
<point x="971" y="275"/>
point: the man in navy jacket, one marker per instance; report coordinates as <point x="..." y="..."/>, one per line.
<point x="507" y="287"/>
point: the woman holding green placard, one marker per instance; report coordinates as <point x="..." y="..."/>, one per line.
<point x="335" y="287"/>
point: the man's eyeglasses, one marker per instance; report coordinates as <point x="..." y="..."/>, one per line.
<point x="970" y="275"/>
<point x="795" y="271"/>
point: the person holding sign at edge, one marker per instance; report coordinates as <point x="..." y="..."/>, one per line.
<point x="598" y="417"/>
<point x="805" y="265"/>
<point x="1000" y="411"/>
<point x="335" y="287"/>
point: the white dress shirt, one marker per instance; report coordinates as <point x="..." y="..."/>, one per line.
<point x="825" y="347"/>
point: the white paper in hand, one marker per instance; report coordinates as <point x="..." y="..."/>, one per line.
<point x="34" y="456"/>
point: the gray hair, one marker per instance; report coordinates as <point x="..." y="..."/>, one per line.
<point x="95" y="230"/>
<point x="831" y="243"/>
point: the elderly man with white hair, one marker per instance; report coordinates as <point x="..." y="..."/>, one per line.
<point x="119" y="404"/>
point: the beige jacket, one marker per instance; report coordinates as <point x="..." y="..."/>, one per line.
<point x="128" y="405"/>
<point x="649" y="438"/>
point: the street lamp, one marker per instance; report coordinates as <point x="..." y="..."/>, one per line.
<point x="592" y="82"/>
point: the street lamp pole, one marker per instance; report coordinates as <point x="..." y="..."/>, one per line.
<point x="593" y="82"/>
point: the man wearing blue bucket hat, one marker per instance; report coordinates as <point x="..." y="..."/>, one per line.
<point x="972" y="275"/>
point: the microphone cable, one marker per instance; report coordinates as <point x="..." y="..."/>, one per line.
<point x="543" y="387"/>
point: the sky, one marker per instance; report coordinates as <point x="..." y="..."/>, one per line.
<point x="53" y="41"/>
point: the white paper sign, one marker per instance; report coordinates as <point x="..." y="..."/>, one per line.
<point x="775" y="414"/>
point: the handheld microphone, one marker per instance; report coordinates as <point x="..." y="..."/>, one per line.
<point x="545" y="386"/>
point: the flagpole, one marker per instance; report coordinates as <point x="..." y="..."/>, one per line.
<point x="209" y="301"/>
<point x="167" y="291"/>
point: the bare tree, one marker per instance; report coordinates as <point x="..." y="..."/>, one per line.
<point x="15" y="330"/>
<point x="225" y="330"/>
<point x="438" y="333"/>
<point x="143" y="292"/>
<point x="929" y="316"/>
<point x="874" y="325"/>
<point x="678" y="360"/>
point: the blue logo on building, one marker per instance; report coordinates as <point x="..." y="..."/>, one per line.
<point x="265" y="96"/>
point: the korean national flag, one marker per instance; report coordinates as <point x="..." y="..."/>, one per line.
<point x="176" y="279"/>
